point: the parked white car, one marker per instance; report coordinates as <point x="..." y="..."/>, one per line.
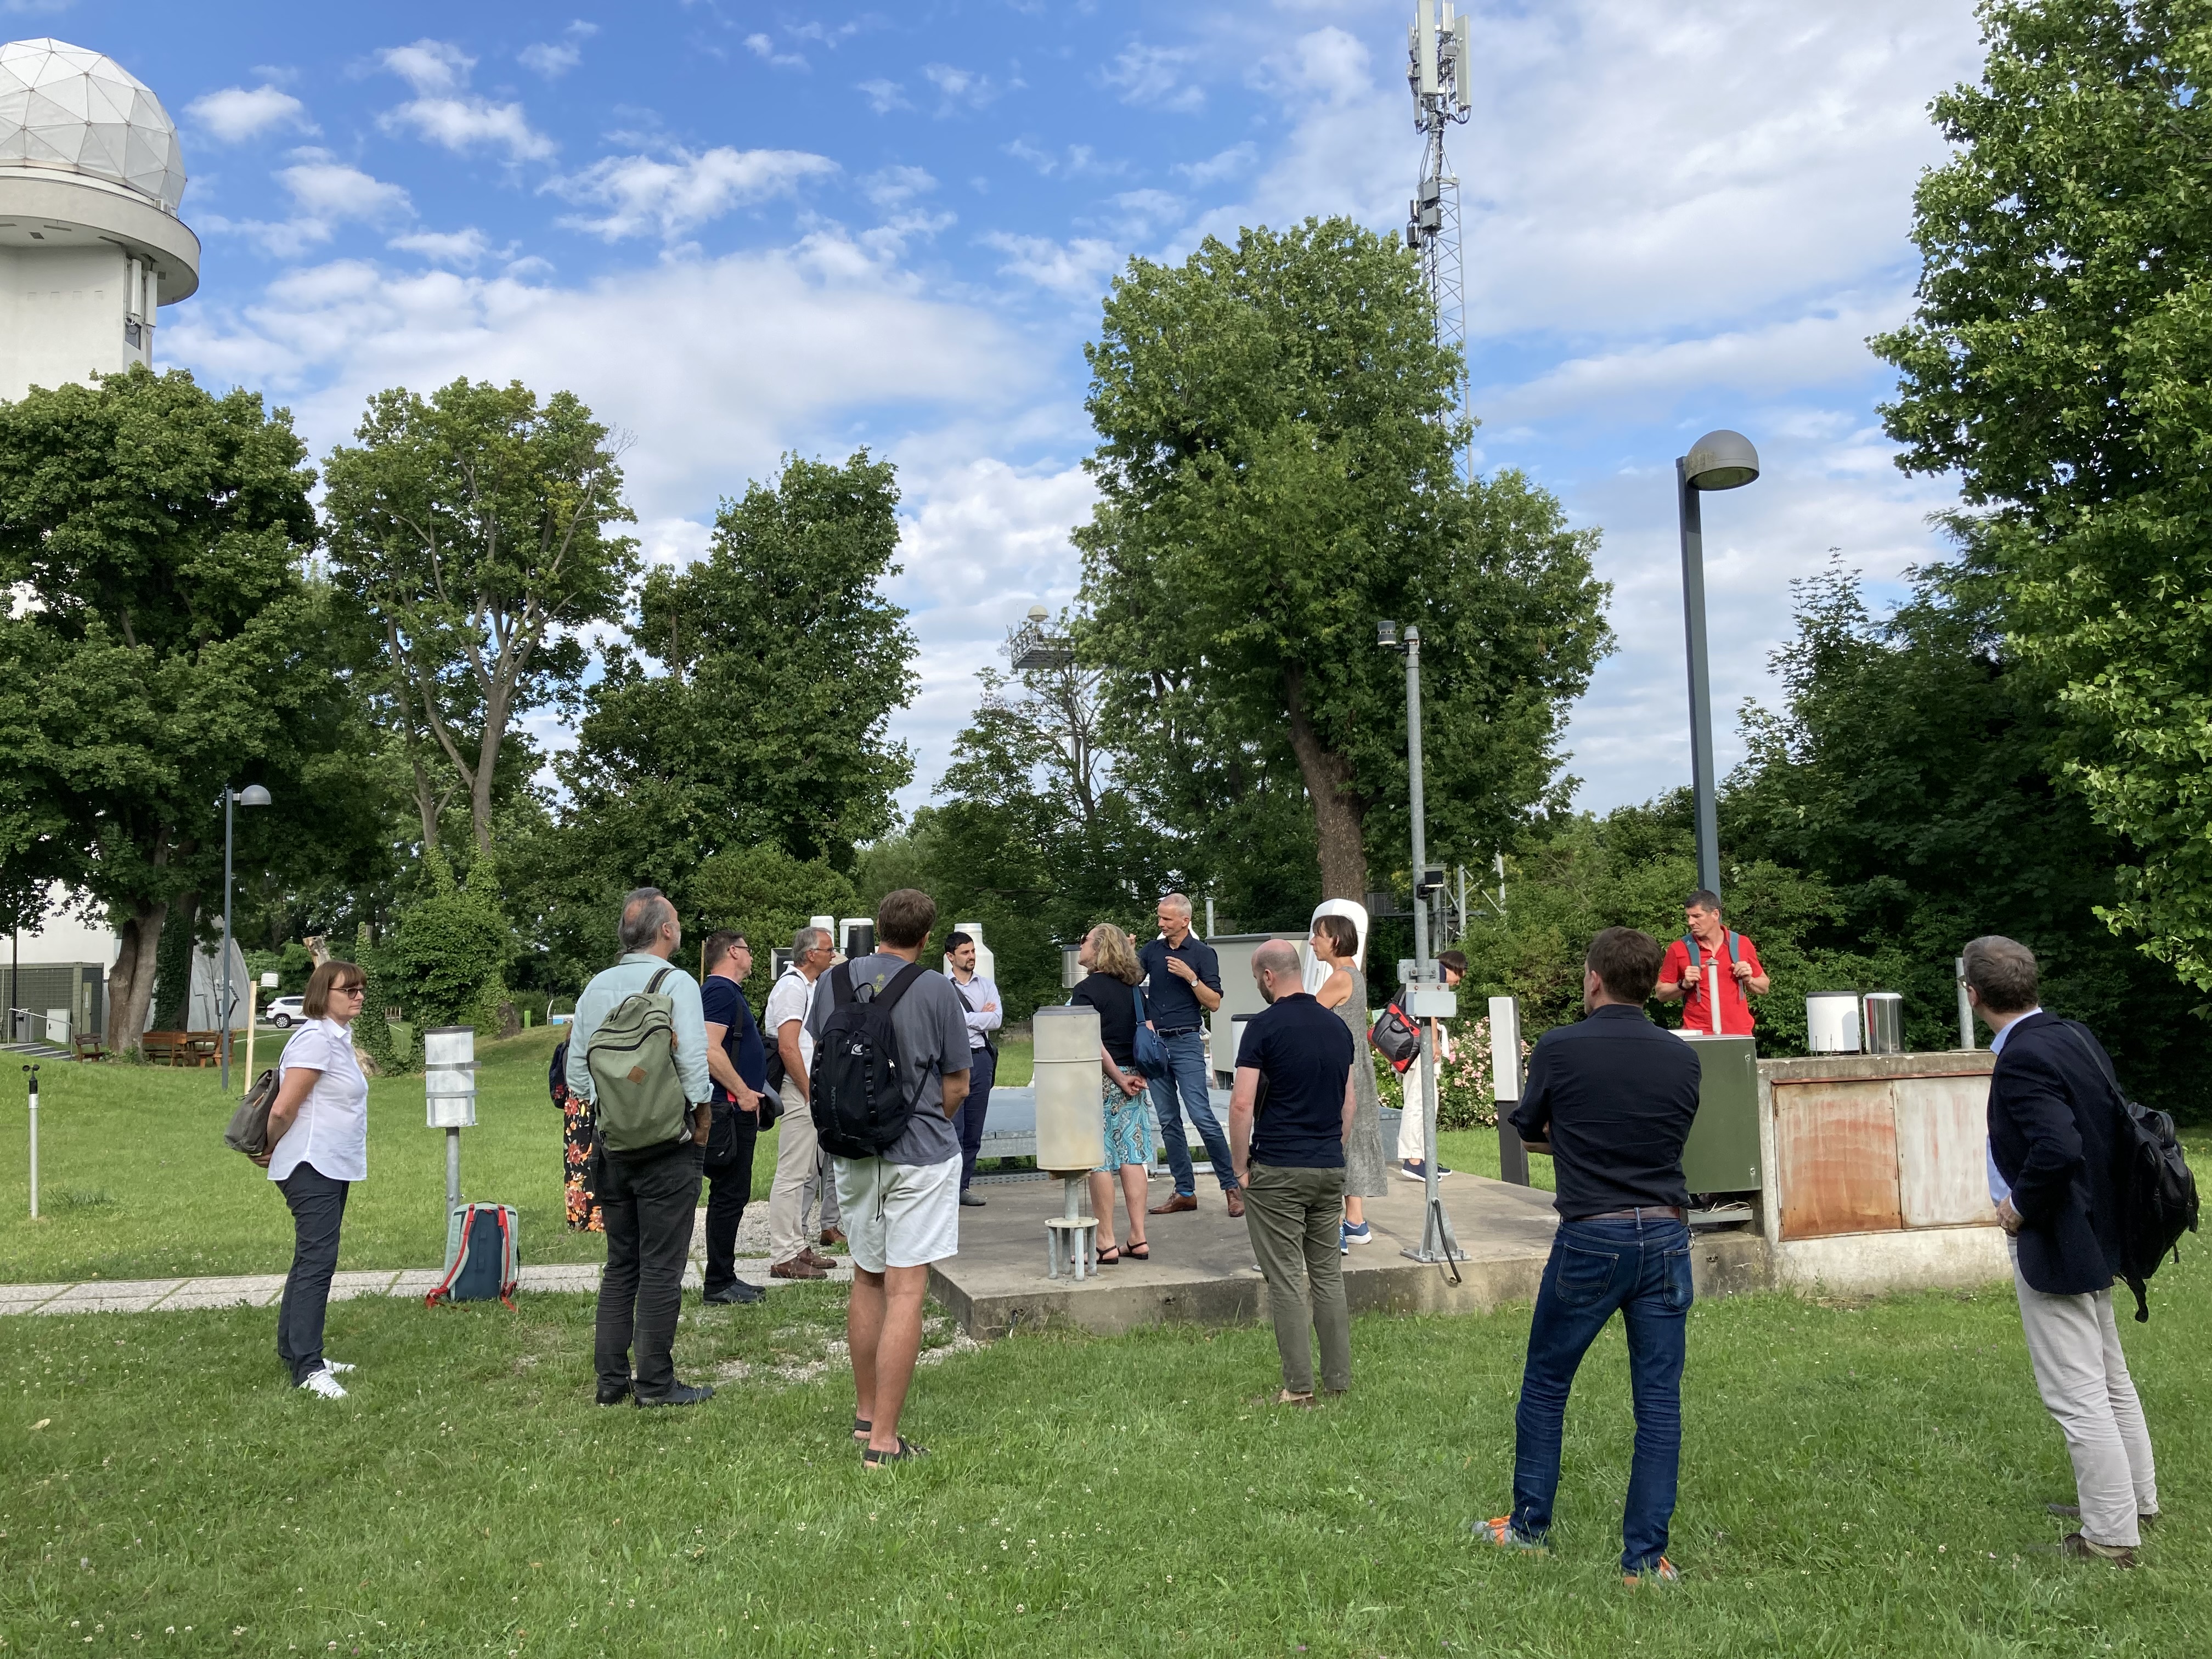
<point x="285" y="1012"/>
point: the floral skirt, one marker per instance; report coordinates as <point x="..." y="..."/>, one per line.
<point x="1128" y="1127"/>
<point x="578" y="1127"/>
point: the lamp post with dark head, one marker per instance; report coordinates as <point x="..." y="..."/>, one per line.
<point x="1719" y="461"/>
<point x="252" y="796"/>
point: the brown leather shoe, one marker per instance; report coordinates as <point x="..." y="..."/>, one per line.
<point x="827" y="1263"/>
<point x="2074" y="1548"/>
<point x="798" y="1267"/>
<point x="1175" y="1206"/>
<point x="1236" y="1197"/>
<point x="832" y="1236"/>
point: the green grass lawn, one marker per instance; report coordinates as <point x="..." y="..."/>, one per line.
<point x="1856" y="1481"/>
<point x="135" y="1182"/>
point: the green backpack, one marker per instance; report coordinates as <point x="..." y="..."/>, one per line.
<point x="632" y="1059"/>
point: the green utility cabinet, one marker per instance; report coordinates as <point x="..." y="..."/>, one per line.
<point x="1722" y="1155"/>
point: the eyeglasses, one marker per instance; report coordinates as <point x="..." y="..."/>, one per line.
<point x="350" y="990"/>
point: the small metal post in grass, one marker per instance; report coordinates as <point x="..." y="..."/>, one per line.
<point x="32" y="1072"/>
<point x="449" y="1088"/>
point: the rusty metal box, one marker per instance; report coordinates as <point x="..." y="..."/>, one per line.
<point x="1722" y="1155"/>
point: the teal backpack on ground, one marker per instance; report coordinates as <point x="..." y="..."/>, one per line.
<point x="482" y="1259"/>
<point x="640" y="1104"/>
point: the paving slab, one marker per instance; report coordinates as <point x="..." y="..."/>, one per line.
<point x="115" y="1296"/>
<point x="249" y="1290"/>
<point x="25" y="1298"/>
<point x="1202" y="1270"/>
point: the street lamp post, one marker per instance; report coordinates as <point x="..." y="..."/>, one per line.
<point x="1719" y="461"/>
<point x="252" y="796"/>
<point x="1424" y="998"/>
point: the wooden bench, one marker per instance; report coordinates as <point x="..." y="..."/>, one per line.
<point x="206" y="1048"/>
<point x="165" y="1048"/>
<point x="89" y="1047"/>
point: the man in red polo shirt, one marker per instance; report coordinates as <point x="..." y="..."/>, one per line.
<point x="1727" y="960"/>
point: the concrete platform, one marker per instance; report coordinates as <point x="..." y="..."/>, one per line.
<point x="1201" y="1269"/>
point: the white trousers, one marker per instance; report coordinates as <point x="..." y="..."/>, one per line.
<point x="2074" y="1345"/>
<point x="789" y="1197"/>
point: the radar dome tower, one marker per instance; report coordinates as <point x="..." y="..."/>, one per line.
<point x="90" y="244"/>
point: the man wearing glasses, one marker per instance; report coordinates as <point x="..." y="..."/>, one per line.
<point x="790" y="1249"/>
<point x="738" y="1064"/>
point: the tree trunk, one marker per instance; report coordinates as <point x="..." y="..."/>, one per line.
<point x="494" y="732"/>
<point x="130" y="981"/>
<point x="173" y="964"/>
<point x="1339" y="817"/>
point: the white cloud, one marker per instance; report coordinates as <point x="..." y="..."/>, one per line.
<point x="1075" y="161"/>
<point x="464" y="248"/>
<point x="551" y="59"/>
<point x="1073" y="268"/>
<point x="894" y="186"/>
<point x="237" y="113"/>
<point x="1222" y="165"/>
<point x="443" y="112"/>
<point x="644" y="194"/>
<point x="1152" y="75"/>
<point x="970" y="88"/>
<point x="765" y="49"/>
<point x="325" y="194"/>
<point x="883" y="96"/>
<point x="1142" y="212"/>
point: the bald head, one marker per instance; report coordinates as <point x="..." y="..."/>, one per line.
<point x="1275" y="969"/>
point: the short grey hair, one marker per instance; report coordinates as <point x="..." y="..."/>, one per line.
<point x="1276" y="956"/>
<point x="1176" y="902"/>
<point x="2003" y="971"/>
<point x="807" y="939"/>
<point x="646" y="911"/>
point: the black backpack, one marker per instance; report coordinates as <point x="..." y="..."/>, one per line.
<point x="858" y="1100"/>
<point x="2158" y="1193"/>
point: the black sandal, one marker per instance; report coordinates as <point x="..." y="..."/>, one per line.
<point x="1140" y="1251"/>
<point x="861" y="1429"/>
<point x="906" y="1452"/>
<point x="1109" y="1254"/>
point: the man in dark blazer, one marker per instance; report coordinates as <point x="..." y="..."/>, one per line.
<point x="2053" y="1115"/>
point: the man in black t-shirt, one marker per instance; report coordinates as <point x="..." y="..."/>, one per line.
<point x="738" y="1065"/>
<point x="1612" y="1098"/>
<point x="1288" y="1116"/>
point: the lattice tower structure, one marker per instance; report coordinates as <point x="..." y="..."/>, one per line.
<point x="1439" y="69"/>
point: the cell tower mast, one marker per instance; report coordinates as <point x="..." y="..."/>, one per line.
<point x="1440" y="70"/>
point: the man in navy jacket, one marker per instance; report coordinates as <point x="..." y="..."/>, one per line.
<point x="2053" y="1116"/>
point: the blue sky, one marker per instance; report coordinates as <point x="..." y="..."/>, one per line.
<point x="742" y="229"/>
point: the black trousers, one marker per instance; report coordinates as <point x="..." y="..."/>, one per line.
<point x="983" y="1072"/>
<point x="647" y="1205"/>
<point x="729" y="1185"/>
<point x="317" y="1206"/>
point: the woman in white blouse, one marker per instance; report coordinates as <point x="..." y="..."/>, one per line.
<point x="318" y="1147"/>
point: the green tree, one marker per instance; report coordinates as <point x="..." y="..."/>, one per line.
<point x="446" y="965"/>
<point x="1276" y="473"/>
<point x="2057" y="363"/>
<point x="1909" y="771"/>
<point x="169" y="645"/>
<point x="474" y="530"/>
<point x="768" y="896"/>
<point x="782" y="662"/>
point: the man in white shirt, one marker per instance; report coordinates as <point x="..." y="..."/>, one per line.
<point x="984" y="1016"/>
<point x="790" y="1251"/>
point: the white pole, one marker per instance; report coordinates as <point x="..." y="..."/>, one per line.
<point x="253" y="998"/>
<point x="34" y="1071"/>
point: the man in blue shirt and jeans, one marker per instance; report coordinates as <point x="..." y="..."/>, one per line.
<point x="1611" y="1098"/>
<point x="1183" y="986"/>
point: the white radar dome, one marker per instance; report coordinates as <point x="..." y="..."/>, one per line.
<point x="70" y="110"/>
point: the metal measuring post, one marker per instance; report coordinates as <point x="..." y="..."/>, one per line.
<point x="31" y="1071"/>
<point x="449" y="1090"/>
<point x="1506" y="1086"/>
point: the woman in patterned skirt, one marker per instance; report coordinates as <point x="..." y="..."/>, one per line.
<point x="1111" y="988"/>
<point x="578" y="1127"/>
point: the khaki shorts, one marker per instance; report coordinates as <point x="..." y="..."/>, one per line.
<point x="899" y="1215"/>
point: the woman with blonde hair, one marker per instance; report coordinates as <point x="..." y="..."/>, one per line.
<point x="318" y="1148"/>
<point x="1110" y="987"/>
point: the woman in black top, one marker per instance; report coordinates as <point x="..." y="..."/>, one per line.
<point x="1111" y="988"/>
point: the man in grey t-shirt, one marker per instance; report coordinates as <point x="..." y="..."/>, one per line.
<point x="902" y="1210"/>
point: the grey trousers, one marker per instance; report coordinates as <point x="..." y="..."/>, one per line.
<point x="2075" y="1347"/>
<point x="1293" y="1216"/>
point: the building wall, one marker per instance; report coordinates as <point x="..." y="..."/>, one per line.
<point x="63" y="313"/>
<point x="61" y="937"/>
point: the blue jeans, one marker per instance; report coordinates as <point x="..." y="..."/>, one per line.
<point x="1643" y="1268"/>
<point x="1187" y="1076"/>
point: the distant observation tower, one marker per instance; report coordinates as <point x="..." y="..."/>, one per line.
<point x="91" y="174"/>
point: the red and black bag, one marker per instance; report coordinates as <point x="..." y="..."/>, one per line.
<point x="1396" y="1038"/>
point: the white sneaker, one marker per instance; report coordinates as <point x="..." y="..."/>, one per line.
<point x="339" y="1367"/>
<point x="323" y="1384"/>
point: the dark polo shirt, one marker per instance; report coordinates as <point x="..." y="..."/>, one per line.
<point x="1615" y="1096"/>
